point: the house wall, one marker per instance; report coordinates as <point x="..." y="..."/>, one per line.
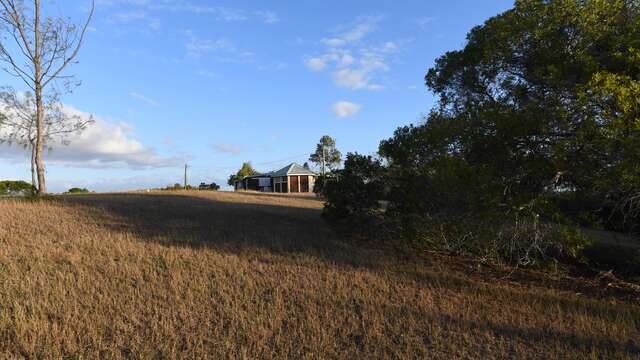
<point x="297" y="183"/>
<point x="283" y="184"/>
<point x="312" y="183"/>
<point x="255" y="184"/>
<point x="280" y="184"/>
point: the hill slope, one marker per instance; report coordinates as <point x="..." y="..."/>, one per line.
<point x="214" y="275"/>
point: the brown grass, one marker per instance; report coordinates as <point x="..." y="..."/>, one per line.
<point x="219" y="275"/>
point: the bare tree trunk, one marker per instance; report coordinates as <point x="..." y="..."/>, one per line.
<point x="33" y="167"/>
<point x="47" y="51"/>
<point x="39" y="141"/>
<point x="42" y="189"/>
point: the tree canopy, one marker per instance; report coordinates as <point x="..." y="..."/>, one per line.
<point x="543" y="97"/>
<point x="537" y="122"/>
<point x="245" y="170"/>
<point x="327" y="155"/>
<point x="18" y="187"/>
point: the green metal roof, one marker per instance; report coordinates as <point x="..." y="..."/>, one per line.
<point x="292" y="169"/>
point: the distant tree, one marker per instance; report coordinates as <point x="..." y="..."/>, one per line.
<point x="175" y="187"/>
<point x="37" y="49"/>
<point x="76" y="190"/>
<point x="245" y="170"/>
<point x="19" y="124"/>
<point x="211" y="187"/>
<point x="19" y="187"/>
<point x="306" y="166"/>
<point x="326" y="156"/>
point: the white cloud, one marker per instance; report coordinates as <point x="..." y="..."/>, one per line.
<point x="316" y="64"/>
<point x="104" y="144"/>
<point x="344" y="109"/>
<point x="354" y="32"/>
<point x="227" y="149"/>
<point x="354" y="79"/>
<point x="354" y="63"/>
<point x="144" y="99"/>
<point x="268" y="17"/>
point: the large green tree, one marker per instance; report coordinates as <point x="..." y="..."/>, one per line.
<point x="327" y="156"/>
<point x="537" y="126"/>
<point x="245" y="170"/>
<point x="543" y="98"/>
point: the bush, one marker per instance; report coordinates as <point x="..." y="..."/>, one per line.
<point x="210" y="187"/>
<point x="15" y="188"/>
<point x="623" y="260"/>
<point x="173" y="187"/>
<point x="353" y="193"/>
<point x="448" y="205"/>
<point x="76" y="190"/>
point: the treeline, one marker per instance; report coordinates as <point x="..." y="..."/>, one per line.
<point x="203" y="186"/>
<point x="536" y="134"/>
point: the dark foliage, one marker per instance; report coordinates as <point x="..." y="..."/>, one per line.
<point x="245" y="170"/>
<point x="76" y="190"/>
<point x="535" y="132"/>
<point x="354" y="192"/>
<point x="15" y="188"/>
<point x="211" y="187"/>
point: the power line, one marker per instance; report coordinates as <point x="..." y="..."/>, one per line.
<point x="255" y="164"/>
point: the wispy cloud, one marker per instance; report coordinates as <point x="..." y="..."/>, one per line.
<point x="267" y="17"/>
<point x="144" y="99"/>
<point x="207" y="74"/>
<point x="273" y="67"/>
<point x="221" y="49"/>
<point x="136" y="15"/>
<point x="344" y="109"/>
<point x="227" y="149"/>
<point x="219" y="13"/>
<point x="355" y="63"/>
<point x="354" y="32"/>
<point x="424" y="22"/>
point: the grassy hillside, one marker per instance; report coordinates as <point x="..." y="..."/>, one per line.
<point x="222" y="275"/>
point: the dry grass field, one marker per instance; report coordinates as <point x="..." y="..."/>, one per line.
<point x="221" y="275"/>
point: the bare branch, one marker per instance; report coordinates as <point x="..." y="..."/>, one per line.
<point x="75" y="52"/>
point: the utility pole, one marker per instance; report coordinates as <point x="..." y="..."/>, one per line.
<point x="185" y="175"/>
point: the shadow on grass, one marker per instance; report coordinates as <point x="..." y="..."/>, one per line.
<point x="307" y="196"/>
<point x="237" y="227"/>
<point x="603" y="345"/>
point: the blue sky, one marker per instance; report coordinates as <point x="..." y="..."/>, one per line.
<point x="216" y="83"/>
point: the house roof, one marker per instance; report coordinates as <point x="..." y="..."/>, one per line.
<point x="292" y="169"/>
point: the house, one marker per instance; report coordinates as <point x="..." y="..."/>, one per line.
<point x="292" y="178"/>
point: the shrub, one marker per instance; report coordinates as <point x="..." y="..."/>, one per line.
<point x="210" y="187"/>
<point x="353" y="193"/>
<point x="15" y="188"/>
<point x="173" y="187"/>
<point x="448" y="205"/>
<point x="76" y="190"/>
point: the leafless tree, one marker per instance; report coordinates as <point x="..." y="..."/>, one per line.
<point x="38" y="49"/>
<point x="19" y="110"/>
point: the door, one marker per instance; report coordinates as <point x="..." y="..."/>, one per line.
<point x="304" y="184"/>
<point x="294" y="184"/>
